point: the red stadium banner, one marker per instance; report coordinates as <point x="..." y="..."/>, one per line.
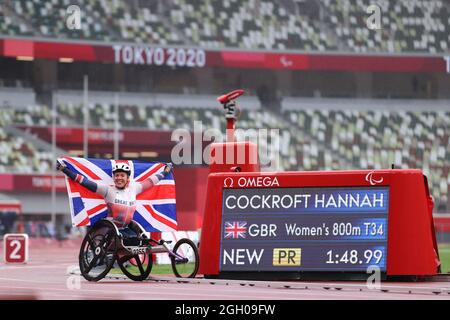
<point x="198" y="58"/>
<point x="10" y="206"/>
<point x="31" y="182"/>
<point x="442" y="222"/>
<point x="99" y="136"/>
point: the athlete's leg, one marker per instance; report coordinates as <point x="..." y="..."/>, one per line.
<point x="130" y="237"/>
<point x="142" y="236"/>
<point x="137" y="228"/>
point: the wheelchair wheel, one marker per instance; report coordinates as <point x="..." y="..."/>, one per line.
<point x="98" y="252"/>
<point x="186" y="262"/>
<point x="136" y="267"/>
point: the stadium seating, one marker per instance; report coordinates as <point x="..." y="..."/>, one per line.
<point x="419" y="26"/>
<point x="18" y="155"/>
<point x="38" y="115"/>
<point x="377" y="139"/>
<point x="310" y="139"/>
<point x="48" y="19"/>
<point x="103" y="20"/>
<point x="9" y="26"/>
<point x="406" y="26"/>
<point x="349" y="139"/>
<point x="254" y="24"/>
<point x="141" y="26"/>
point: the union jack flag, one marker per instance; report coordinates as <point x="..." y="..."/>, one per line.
<point x="235" y="229"/>
<point x="155" y="207"/>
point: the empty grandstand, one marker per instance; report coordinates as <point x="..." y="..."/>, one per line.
<point x="315" y="139"/>
<point x="408" y="26"/>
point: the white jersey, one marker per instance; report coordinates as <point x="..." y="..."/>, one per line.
<point x="121" y="203"/>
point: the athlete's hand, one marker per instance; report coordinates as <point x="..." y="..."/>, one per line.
<point x="161" y="175"/>
<point x="168" y="168"/>
<point x="60" y="165"/>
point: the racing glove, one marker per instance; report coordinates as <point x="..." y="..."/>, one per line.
<point x="167" y="169"/>
<point x="91" y="185"/>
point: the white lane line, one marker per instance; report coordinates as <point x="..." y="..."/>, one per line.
<point x="44" y="266"/>
<point x="176" y="287"/>
<point x="190" y="295"/>
<point x="34" y="281"/>
<point x="398" y="288"/>
<point x="169" y="287"/>
<point x="165" y="296"/>
<point x="167" y="293"/>
<point x="46" y="295"/>
<point x="272" y="292"/>
<point x="67" y="291"/>
<point x="207" y="290"/>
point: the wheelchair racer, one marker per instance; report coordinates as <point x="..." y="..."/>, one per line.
<point x="121" y="198"/>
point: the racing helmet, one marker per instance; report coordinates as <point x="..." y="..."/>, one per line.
<point x="121" y="167"/>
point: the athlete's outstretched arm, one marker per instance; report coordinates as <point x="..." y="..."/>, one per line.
<point x="154" y="179"/>
<point x="85" y="182"/>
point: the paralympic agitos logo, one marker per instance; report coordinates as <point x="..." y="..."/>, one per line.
<point x="372" y="180"/>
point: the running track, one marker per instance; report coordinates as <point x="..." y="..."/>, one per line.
<point x="47" y="276"/>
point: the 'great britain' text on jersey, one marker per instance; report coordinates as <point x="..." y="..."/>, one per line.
<point x="124" y="202"/>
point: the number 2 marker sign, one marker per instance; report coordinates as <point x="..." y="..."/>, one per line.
<point x="15" y="248"/>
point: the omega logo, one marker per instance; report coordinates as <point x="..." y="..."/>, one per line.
<point x="228" y="183"/>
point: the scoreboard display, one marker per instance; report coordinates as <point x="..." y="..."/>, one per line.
<point x="304" y="229"/>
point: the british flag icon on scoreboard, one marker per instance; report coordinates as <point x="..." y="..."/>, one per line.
<point x="235" y="229"/>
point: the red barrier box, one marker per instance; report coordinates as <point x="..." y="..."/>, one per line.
<point x="302" y="222"/>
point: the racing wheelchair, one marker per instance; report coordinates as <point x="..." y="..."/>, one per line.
<point x="104" y="245"/>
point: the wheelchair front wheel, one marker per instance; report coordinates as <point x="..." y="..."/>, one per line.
<point x="185" y="261"/>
